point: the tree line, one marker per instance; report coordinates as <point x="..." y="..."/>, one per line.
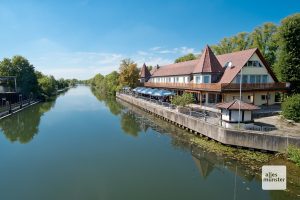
<point x="279" y="44"/>
<point x="127" y="75"/>
<point x="31" y="82"/>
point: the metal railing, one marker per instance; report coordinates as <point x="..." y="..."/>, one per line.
<point x="220" y="86"/>
<point x="10" y="108"/>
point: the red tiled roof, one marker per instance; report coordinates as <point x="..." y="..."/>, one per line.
<point x="238" y="60"/>
<point x="235" y="104"/>
<point x="144" y="73"/>
<point x="208" y="63"/>
<point x="182" y="68"/>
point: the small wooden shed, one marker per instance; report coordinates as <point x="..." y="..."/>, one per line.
<point x="230" y="115"/>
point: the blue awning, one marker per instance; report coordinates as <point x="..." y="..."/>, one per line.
<point x="135" y="89"/>
<point x="145" y="91"/>
<point x="162" y="93"/>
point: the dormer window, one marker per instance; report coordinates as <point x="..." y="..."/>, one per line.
<point x="253" y="63"/>
<point x="227" y="64"/>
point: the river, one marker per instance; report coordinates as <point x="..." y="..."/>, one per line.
<point x="84" y="145"/>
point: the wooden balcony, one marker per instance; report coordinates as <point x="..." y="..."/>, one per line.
<point x="186" y="86"/>
<point x="219" y="87"/>
<point x="255" y="86"/>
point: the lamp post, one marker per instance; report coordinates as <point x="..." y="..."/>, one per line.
<point x="241" y="77"/>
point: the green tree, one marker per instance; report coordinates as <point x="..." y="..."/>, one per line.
<point x="291" y="108"/>
<point x="288" y="66"/>
<point x="129" y="73"/>
<point x="184" y="58"/>
<point x="112" y="82"/>
<point x="21" y="68"/>
<point x="264" y="38"/>
<point x="185" y="99"/>
<point x="47" y="85"/>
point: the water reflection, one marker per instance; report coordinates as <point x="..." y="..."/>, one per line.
<point x="24" y="125"/>
<point x="206" y="162"/>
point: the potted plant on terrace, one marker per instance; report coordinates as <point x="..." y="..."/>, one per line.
<point x="182" y="101"/>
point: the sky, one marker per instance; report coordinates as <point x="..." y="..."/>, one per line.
<point x="80" y="38"/>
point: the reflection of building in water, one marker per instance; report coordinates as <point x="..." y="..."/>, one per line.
<point x="204" y="166"/>
<point x="23" y="126"/>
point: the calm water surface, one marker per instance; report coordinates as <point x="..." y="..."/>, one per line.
<point x="85" y="146"/>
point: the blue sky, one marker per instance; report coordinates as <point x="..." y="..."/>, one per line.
<point x="79" y="38"/>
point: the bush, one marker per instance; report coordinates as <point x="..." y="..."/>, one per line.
<point x="183" y="100"/>
<point x="294" y="154"/>
<point x="291" y="108"/>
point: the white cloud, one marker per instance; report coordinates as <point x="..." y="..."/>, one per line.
<point x="50" y="57"/>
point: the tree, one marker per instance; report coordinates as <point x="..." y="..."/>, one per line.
<point x="21" y="68"/>
<point x="264" y="38"/>
<point x="47" y="85"/>
<point x="129" y="73"/>
<point x="291" y="108"/>
<point x="185" y="99"/>
<point x="288" y="66"/>
<point x="112" y="82"/>
<point x="184" y="58"/>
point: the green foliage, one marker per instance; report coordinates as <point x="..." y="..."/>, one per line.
<point x="262" y="37"/>
<point x="106" y="84"/>
<point x="288" y="65"/>
<point x="184" y="58"/>
<point x="291" y="108"/>
<point x="21" y="68"/>
<point x="294" y="154"/>
<point x="185" y="99"/>
<point x="265" y="39"/>
<point x="47" y="85"/>
<point x="129" y="73"/>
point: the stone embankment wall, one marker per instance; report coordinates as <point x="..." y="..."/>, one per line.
<point x="240" y="138"/>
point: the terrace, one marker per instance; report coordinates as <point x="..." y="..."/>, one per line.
<point x="220" y="87"/>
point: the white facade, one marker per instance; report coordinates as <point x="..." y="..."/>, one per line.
<point x="170" y="79"/>
<point x="202" y="78"/>
<point x="254" y="72"/>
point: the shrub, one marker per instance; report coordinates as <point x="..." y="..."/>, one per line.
<point x="183" y="100"/>
<point x="291" y="108"/>
<point x="294" y="154"/>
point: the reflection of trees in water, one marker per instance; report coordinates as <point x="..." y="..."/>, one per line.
<point x="109" y="101"/>
<point x="130" y="124"/>
<point x="23" y="125"/>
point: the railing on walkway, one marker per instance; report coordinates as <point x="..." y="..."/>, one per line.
<point x="184" y="110"/>
<point x="259" y="128"/>
<point x="10" y="108"/>
<point x="220" y="86"/>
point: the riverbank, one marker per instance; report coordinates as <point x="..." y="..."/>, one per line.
<point x="249" y="162"/>
<point x="238" y="138"/>
<point x="14" y="108"/>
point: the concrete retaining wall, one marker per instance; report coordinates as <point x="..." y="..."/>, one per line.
<point x="249" y="139"/>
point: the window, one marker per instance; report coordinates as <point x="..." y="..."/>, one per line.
<point x="263" y="97"/>
<point x="206" y="79"/>
<point x="177" y="79"/>
<point x="198" y="79"/>
<point x="238" y="78"/>
<point x="252" y="78"/>
<point x="245" y="79"/>
<point x="255" y="64"/>
<point x="258" y="80"/>
<point x="265" y="78"/>
<point x="250" y="63"/>
<point x="249" y="97"/>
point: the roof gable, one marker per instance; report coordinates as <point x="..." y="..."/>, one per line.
<point x="238" y="60"/>
<point x="145" y="72"/>
<point x="208" y="63"/>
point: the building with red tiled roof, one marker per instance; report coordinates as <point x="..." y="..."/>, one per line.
<point x="144" y="74"/>
<point x="215" y="79"/>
